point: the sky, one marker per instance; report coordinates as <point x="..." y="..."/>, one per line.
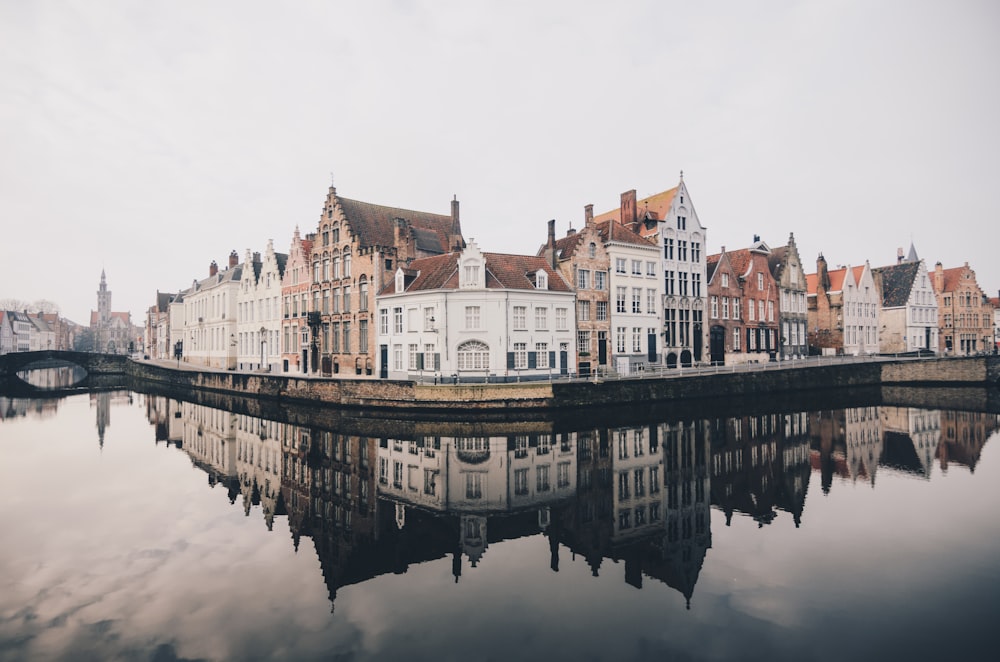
<point x="147" y="139"/>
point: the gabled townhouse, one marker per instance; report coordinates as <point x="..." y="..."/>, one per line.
<point x="582" y="259"/>
<point x="786" y="268"/>
<point x="725" y="320"/>
<point x="42" y="336"/>
<point x="909" y="317"/>
<point x="965" y="314"/>
<point x="358" y="248"/>
<point x="669" y="220"/>
<point x="258" y="311"/>
<point x="474" y="316"/>
<point x="743" y="306"/>
<point x="157" y="331"/>
<point x="21" y="329"/>
<point x="209" y="322"/>
<point x="295" y="286"/>
<point x="843" y="309"/>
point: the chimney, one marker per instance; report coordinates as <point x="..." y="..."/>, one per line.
<point x="756" y="238"/>
<point x="822" y="276"/>
<point x="256" y="257"/>
<point x="234" y="259"/>
<point x="938" y="278"/>
<point x="629" y="212"/>
<point x="588" y="215"/>
<point x="550" y="244"/>
<point x="899" y="255"/>
<point x="213" y="268"/>
<point x="456" y="226"/>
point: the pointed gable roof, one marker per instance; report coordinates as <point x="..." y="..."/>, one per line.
<point x="373" y="225"/>
<point x="836" y="280"/>
<point x="895" y="283"/>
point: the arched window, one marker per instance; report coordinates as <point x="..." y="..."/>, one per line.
<point x="347" y="262"/>
<point x="592" y="250"/>
<point x="473" y="355"/>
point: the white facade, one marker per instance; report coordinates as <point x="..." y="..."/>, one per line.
<point x="258" y="311"/>
<point x="683" y="241"/>
<point x="862" y="304"/>
<point x="208" y="328"/>
<point x="922" y="314"/>
<point x="636" y="294"/>
<point x="456" y="327"/>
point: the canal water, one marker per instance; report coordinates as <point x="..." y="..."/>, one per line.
<point x="147" y="527"/>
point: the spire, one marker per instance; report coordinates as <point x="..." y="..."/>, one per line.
<point x="912" y="255"/>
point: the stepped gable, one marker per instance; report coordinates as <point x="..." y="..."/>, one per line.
<point x="373" y="225"/>
<point x="895" y="283"/>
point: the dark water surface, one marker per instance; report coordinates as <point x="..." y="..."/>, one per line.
<point x="141" y="527"/>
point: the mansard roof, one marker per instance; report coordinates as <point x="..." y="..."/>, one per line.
<point x="503" y="271"/>
<point x="895" y="283"/>
<point x="373" y="225"/>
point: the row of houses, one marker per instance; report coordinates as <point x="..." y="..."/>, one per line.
<point x="384" y="292"/>
<point x="32" y="332"/>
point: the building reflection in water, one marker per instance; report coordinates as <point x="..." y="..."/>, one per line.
<point x="640" y="495"/>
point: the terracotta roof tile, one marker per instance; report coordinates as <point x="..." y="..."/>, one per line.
<point x="503" y="271"/>
<point x="621" y="234"/>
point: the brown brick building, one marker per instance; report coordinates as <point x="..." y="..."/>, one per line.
<point x="357" y="249"/>
<point x="965" y="313"/>
<point x="582" y="259"/>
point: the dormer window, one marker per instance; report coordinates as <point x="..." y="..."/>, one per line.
<point x="541" y="280"/>
<point x="471" y="268"/>
<point x="470" y="273"/>
<point x="399" y="280"/>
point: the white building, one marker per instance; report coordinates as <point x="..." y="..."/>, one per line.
<point x="636" y="292"/>
<point x="258" y="311"/>
<point x="474" y="316"/>
<point x="909" y="314"/>
<point x="208" y="325"/>
<point x="669" y="220"/>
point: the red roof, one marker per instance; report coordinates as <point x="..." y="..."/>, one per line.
<point x="503" y="271"/>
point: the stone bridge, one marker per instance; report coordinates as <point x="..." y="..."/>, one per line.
<point x="94" y="364"/>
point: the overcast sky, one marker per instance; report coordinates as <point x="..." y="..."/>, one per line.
<point x="150" y="138"/>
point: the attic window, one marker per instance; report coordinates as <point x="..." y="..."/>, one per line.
<point x="592" y="250"/>
<point x="541" y="280"/>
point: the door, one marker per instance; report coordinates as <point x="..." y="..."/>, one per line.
<point x="383" y="361"/>
<point x="717" y="345"/>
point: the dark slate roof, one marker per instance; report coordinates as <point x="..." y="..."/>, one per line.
<point x="895" y="282"/>
<point x="776" y="261"/>
<point x="282" y="259"/>
<point x="373" y="224"/>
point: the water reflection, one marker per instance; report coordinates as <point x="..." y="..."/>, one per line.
<point x="244" y="532"/>
<point x="641" y="495"/>
<point x="59" y="375"/>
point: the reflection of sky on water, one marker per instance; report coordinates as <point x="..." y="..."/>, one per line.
<point x="124" y="552"/>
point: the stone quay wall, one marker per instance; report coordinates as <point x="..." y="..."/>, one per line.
<point x="456" y="398"/>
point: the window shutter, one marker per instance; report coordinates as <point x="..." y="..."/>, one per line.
<point x="437" y="360"/>
<point x="420" y="361"/>
<point x="552" y="359"/>
<point x="532" y="360"/>
<point x="510" y="360"/>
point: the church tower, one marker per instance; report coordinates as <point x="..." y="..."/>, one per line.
<point x="103" y="301"/>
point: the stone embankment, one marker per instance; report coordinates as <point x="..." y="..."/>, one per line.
<point x="453" y="399"/>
